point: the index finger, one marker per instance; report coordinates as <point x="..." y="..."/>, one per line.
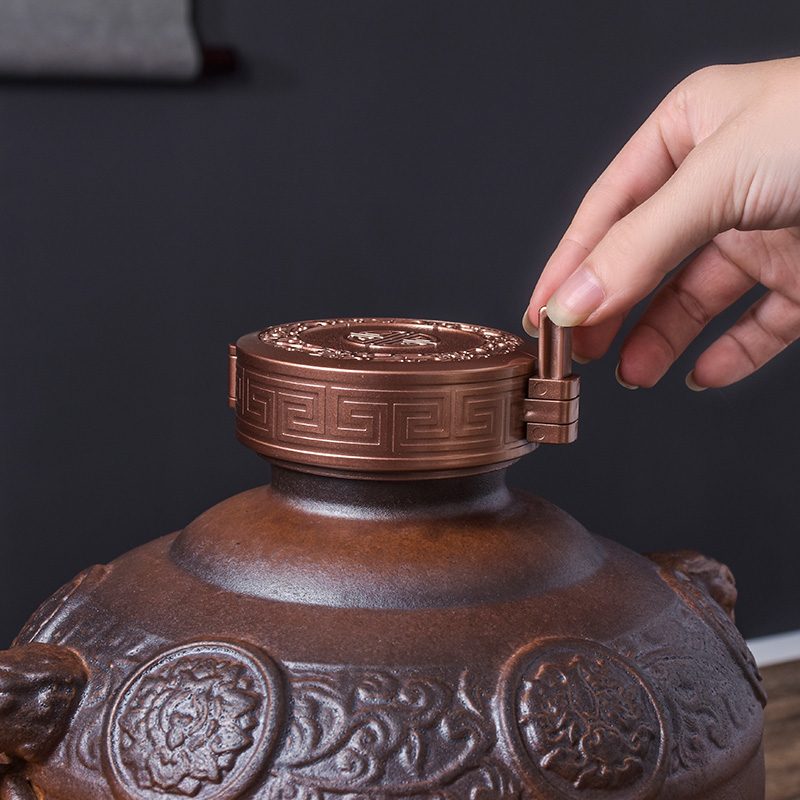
<point x="643" y="165"/>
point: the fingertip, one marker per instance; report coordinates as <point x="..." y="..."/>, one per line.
<point x="691" y="382"/>
<point x="621" y="381"/>
<point x="528" y="326"/>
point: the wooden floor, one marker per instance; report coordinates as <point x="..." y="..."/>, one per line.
<point x="782" y="731"/>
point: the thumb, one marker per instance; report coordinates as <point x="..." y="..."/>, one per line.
<point x="693" y="206"/>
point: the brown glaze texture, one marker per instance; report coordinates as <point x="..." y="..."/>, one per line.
<point x="385" y="623"/>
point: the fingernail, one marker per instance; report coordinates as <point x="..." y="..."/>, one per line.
<point x="693" y="384"/>
<point x="528" y="326"/>
<point x="580" y="359"/>
<point x="622" y="382"/>
<point x="578" y="297"/>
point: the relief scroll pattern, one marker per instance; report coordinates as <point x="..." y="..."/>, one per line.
<point x="712" y="654"/>
<point x="378" y="731"/>
<point x="565" y="719"/>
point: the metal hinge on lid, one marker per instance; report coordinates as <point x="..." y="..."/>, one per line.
<point x="233" y="384"/>
<point x="551" y="409"/>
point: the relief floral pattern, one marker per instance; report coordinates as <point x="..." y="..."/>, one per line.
<point x="188" y="723"/>
<point x="586" y="720"/>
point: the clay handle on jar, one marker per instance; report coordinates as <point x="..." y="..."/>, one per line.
<point x="709" y="574"/>
<point x="40" y="687"/>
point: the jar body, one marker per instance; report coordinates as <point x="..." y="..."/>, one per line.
<point x="447" y="638"/>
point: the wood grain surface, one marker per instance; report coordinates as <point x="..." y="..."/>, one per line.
<point x="782" y="731"/>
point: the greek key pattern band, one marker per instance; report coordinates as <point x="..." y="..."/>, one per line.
<point x="299" y="416"/>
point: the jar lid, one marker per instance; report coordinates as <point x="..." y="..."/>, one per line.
<point x="389" y="397"/>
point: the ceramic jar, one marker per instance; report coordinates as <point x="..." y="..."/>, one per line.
<point x="386" y="619"/>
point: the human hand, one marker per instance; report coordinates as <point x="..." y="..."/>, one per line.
<point x="714" y="173"/>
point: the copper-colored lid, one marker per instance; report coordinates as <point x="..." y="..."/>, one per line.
<point x="388" y="396"/>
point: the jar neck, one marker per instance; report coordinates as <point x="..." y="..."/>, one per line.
<point x="358" y="498"/>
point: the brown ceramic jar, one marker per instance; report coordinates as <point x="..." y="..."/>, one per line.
<point x="386" y="619"/>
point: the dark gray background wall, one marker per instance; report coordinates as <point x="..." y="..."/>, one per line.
<point x="414" y="157"/>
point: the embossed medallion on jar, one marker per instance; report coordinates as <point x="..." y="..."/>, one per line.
<point x="199" y="720"/>
<point x="583" y="722"/>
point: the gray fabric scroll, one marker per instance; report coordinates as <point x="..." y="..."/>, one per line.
<point x="135" y="39"/>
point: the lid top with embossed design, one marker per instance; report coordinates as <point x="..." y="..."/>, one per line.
<point x="388" y="396"/>
<point x="404" y="346"/>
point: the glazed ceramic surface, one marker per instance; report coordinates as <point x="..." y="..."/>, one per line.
<point x="386" y="619"/>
